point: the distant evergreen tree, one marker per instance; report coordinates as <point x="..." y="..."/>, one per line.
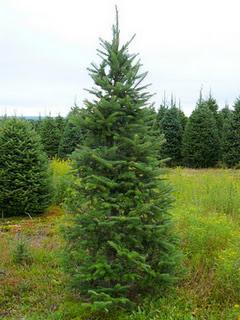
<point x="51" y="130"/>
<point x="225" y="116"/>
<point x="152" y="115"/>
<point x="231" y="139"/>
<point x="158" y="130"/>
<point x="37" y="124"/>
<point x="200" y="139"/>
<point x="120" y="245"/>
<point x="172" y="129"/>
<point x="161" y="112"/>
<point x="213" y="106"/>
<point x="32" y="121"/>
<point x="60" y="123"/>
<point x="24" y="171"/>
<point x="183" y="118"/>
<point x="73" y="133"/>
<point x="225" y="113"/>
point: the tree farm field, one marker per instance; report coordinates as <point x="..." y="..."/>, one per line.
<point x="206" y="219"/>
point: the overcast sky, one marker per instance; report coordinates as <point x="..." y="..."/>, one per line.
<point x="46" y="46"/>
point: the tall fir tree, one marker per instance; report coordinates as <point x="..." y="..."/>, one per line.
<point x="24" y="174"/>
<point x="200" y="139"/>
<point x="120" y="245"/>
<point x="231" y="139"/>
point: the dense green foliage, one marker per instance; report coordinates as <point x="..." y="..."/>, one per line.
<point x="171" y="126"/>
<point x="201" y="139"/>
<point x="73" y="133"/>
<point x="211" y="103"/>
<point x="225" y="116"/>
<point x="24" y="171"/>
<point x="120" y="245"/>
<point x="160" y="114"/>
<point x="231" y="137"/>
<point x="51" y="130"/>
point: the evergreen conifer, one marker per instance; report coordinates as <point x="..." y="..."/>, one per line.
<point x="51" y="130"/>
<point x="120" y="245"/>
<point x="231" y="139"/>
<point x="211" y="103"/>
<point x="24" y="171"/>
<point x="171" y="128"/>
<point x="225" y="116"/>
<point x="200" y="139"/>
<point x="73" y="133"/>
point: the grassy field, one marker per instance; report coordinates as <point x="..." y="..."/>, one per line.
<point x="206" y="213"/>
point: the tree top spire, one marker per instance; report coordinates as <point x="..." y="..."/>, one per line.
<point x="115" y="28"/>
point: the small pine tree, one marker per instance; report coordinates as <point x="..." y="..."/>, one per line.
<point x="231" y="139"/>
<point x="21" y="254"/>
<point x="200" y="139"/>
<point x="24" y="171"/>
<point x="51" y="130"/>
<point x="73" y="133"/>
<point x="119" y="245"/>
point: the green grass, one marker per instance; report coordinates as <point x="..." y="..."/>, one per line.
<point x="212" y="190"/>
<point x="35" y="286"/>
<point x="61" y="180"/>
<point x="206" y="218"/>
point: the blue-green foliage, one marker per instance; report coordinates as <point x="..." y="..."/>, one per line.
<point x="120" y="245"/>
